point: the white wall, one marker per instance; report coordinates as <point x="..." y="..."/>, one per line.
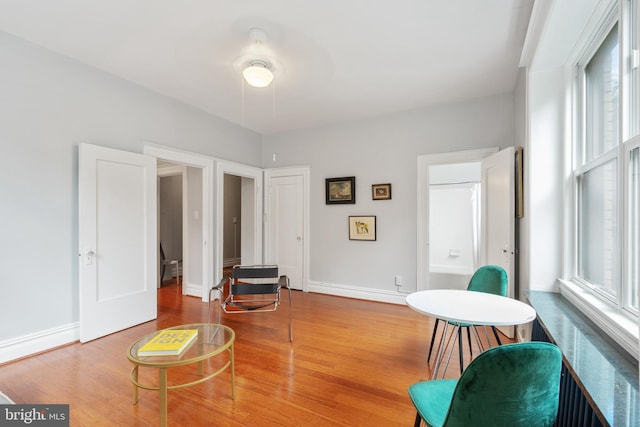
<point x="548" y="97"/>
<point x="49" y="104"/>
<point x="544" y="161"/>
<point x="375" y="151"/>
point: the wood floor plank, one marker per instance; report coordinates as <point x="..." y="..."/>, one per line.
<point x="350" y="365"/>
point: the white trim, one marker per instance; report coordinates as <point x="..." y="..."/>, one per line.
<point x="170" y="170"/>
<point x="207" y="165"/>
<point x="536" y="26"/>
<point x="27" y="345"/>
<point x="194" y="289"/>
<point x="622" y="329"/>
<point x="357" y="292"/>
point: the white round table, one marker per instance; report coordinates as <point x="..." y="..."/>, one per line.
<point x="478" y="308"/>
<point x="474" y="308"/>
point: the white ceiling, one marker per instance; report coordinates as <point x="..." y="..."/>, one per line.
<point x="336" y="60"/>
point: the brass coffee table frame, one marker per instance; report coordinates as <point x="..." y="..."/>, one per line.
<point x="213" y="339"/>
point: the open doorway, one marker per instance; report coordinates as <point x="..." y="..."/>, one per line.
<point x="197" y="216"/>
<point x="454" y="223"/>
<point x="170" y="220"/>
<point x="238" y="215"/>
<point x="449" y="218"/>
<point x="232" y="246"/>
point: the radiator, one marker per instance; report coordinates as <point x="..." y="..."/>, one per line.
<point x="574" y="409"/>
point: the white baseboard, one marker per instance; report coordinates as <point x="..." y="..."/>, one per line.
<point x="370" y="294"/>
<point x="192" y="289"/>
<point x="15" y="348"/>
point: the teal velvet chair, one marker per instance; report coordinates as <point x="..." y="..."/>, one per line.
<point x="490" y="279"/>
<point x="510" y="385"/>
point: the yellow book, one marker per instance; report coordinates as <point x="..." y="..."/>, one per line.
<point x="169" y="342"/>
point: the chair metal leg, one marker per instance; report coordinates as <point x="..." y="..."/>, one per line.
<point x="418" y="420"/>
<point x="218" y="298"/>
<point x="460" y="350"/>
<point x="440" y="351"/>
<point x="433" y="338"/>
<point x="469" y="339"/>
<point x="478" y="340"/>
<point x="454" y="336"/>
<point x="495" y="332"/>
<point x="486" y="335"/>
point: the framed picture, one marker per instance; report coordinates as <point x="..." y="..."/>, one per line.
<point x="362" y="228"/>
<point x="340" y="190"/>
<point x="381" y="191"/>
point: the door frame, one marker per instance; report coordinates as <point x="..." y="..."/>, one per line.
<point x="223" y="167"/>
<point x="207" y="165"/>
<point x="181" y="171"/>
<point x="305" y="172"/>
<point x="422" y="219"/>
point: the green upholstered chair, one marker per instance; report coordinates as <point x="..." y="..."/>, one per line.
<point x="510" y="385"/>
<point x="490" y="279"/>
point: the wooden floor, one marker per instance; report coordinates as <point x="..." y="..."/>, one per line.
<point x="350" y="365"/>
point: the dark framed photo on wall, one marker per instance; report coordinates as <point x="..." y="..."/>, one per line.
<point x="381" y="191"/>
<point x="340" y="190"/>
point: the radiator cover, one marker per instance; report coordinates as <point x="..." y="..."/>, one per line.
<point x="574" y="408"/>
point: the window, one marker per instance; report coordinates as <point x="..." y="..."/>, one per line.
<point x="601" y="75"/>
<point x="606" y="158"/>
<point x="634" y="208"/>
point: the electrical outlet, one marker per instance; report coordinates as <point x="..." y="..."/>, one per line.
<point x="398" y="280"/>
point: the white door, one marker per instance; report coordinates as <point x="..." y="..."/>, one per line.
<point x="497" y="235"/>
<point x="117" y="240"/>
<point x="285" y="219"/>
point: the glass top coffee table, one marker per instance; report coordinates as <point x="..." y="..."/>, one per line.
<point x="212" y="340"/>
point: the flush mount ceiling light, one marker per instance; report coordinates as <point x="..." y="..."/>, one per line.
<point x="258" y="73"/>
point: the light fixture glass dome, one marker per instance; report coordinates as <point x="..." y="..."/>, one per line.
<point x="258" y="74"/>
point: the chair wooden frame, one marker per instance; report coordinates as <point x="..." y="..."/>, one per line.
<point x="251" y="288"/>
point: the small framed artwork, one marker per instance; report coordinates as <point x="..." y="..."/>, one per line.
<point x="362" y="228"/>
<point x="381" y="191"/>
<point x="340" y="190"/>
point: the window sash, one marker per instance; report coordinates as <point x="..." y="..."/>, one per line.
<point x="602" y="97"/>
<point x="597" y="242"/>
<point x="631" y="281"/>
